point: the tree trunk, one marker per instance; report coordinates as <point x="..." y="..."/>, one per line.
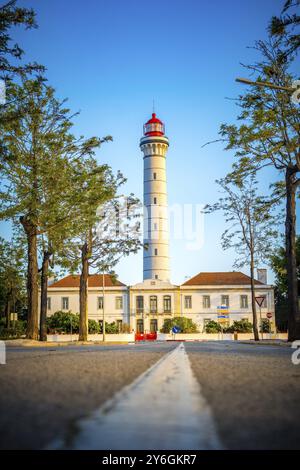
<point x="32" y="281"/>
<point x="290" y="240"/>
<point x="7" y="312"/>
<point x="44" y="294"/>
<point x="83" y="294"/>
<point x="253" y="302"/>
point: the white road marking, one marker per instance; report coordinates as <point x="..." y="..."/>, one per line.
<point x="162" y="409"/>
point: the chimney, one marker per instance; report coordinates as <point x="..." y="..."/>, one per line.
<point x="262" y="276"/>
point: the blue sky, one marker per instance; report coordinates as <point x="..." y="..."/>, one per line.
<point x="112" y="58"/>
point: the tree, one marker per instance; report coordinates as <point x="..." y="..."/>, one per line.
<point x="37" y="154"/>
<point x="10" y="16"/>
<point x="250" y="229"/>
<point x="212" y="327"/>
<point x="12" y="278"/>
<point x="186" y="325"/>
<point x="268" y="135"/>
<point x="110" y="231"/>
<point x="284" y="26"/>
<point x="278" y="265"/>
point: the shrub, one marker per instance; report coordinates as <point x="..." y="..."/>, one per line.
<point x="240" y="326"/>
<point x="16" y="330"/>
<point x="186" y="325"/>
<point x="94" y="327"/>
<point x="212" y="327"/>
<point x="111" y="328"/>
<point x="265" y="326"/>
<point x="61" y="322"/>
<point x="125" y="328"/>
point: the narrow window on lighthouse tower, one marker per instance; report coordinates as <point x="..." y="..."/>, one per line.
<point x="156" y="251"/>
<point x="154" y="200"/>
<point x="154" y="176"/>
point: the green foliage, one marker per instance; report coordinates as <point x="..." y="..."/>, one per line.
<point x="212" y="327"/>
<point x="12" y="277"/>
<point x="240" y="326"/>
<point x="186" y="325"/>
<point x="111" y="328"/>
<point x="94" y="327"/>
<point x="60" y="322"/>
<point x="14" y="16"/>
<point x="278" y="263"/>
<point x="265" y="326"/>
<point x="16" y="330"/>
<point x="63" y="322"/>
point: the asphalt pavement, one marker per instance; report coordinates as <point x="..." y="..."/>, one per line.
<point x="253" y="392"/>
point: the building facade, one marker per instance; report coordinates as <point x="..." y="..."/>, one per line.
<point x="145" y="306"/>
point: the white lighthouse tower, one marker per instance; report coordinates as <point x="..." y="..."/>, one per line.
<point x="154" y="146"/>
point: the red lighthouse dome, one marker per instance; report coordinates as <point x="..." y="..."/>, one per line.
<point x="154" y="126"/>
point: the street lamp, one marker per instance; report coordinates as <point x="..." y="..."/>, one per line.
<point x="245" y="81"/>
<point x="294" y="90"/>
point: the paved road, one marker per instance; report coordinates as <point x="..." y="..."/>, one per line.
<point x="253" y="391"/>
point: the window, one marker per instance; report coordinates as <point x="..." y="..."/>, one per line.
<point x="119" y="325"/>
<point x="225" y="300"/>
<point x="65" y="303"/>
<point x="153" y="303"/>
<point x="154" y="200"/>
<point x="140" y="326"/>
<point x="155" y="251"/>
<point x="156" y="276"/>
<point x="153" y="326"/>
<point x="139" y="304"/>
<point x="244" y="301"/>
<point x="100" y="303"/>
<point x="48" y="303"/>
<point x="206" y="301"/>
<point x="119" y="303"/>
<point x="167" y="303"/>
<point x="187" y="301"/>
<point x="154" y="176"/>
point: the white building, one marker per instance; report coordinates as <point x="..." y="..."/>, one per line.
<point x="145" y="306"/>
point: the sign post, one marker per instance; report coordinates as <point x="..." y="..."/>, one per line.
<point x="260" y="300"/>
<point x="175" y="330"/>
<point x="223" y="316"/>
<point x="269" y="316"/>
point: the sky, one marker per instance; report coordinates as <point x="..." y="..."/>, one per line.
<point x="111" y="59"/>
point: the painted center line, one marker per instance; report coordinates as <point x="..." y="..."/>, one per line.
<point x="162" y="409"/>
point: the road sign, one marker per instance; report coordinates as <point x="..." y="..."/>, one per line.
<point x="269" y="315"/>
<point x="176" y="329"/>
<point x="260" y="300"/>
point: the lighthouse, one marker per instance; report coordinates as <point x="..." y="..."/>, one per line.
<point x="154" y="145"/>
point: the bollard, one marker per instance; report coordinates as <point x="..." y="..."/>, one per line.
<point x="235" y="336"/>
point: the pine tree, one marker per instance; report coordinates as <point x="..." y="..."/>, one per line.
<point x="38" y="153"/>
<point x="10" y="16"/>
